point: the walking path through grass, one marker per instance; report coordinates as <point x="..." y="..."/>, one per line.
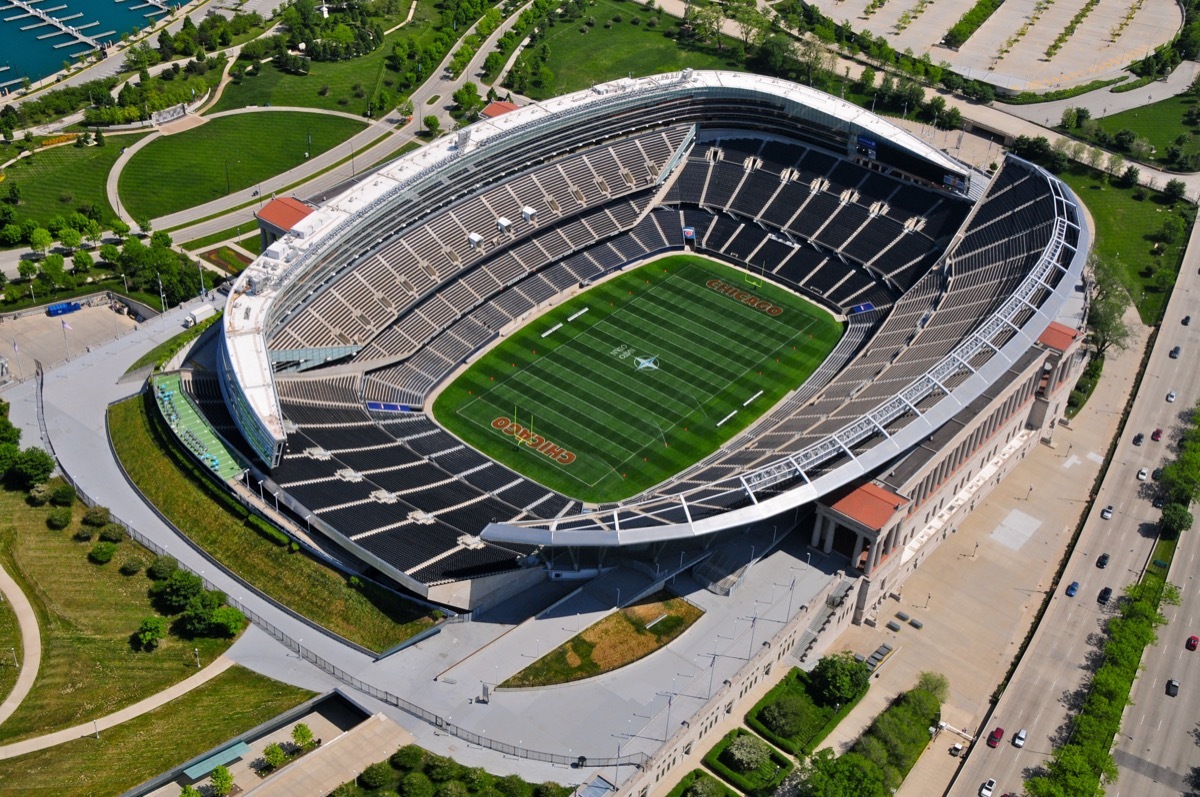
<point x="31" y="644"/>
<point x="117" y="717"/>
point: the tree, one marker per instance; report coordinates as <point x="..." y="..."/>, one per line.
<point x="416" y="784"/>
<point x="376" y="776"/>
<point x="785" y="717"/>
<point x="432" y="124"/>
<point x="119" y="228"/>
<point x="31" y="466"/>
<point x="27" y="269"/>
<point x="1176" y="189"/>
<point x="99" y="138"/>
<point x="82" y="262"/>
<point x="152" y="631"/>
<point x="71" y="238"/>
<point x="173" y="593"/>
<point x="839" y="678"/>
<point x="41" y="240"/>
<point x="745" y="753"/>
<point x="274" y="756"/>
<point x="935" y="684"/>
<point x="1110" y="299"/>
<point x="222" y="781"/>
<point x="1176" y="519"/>
<point x="162" y="567"/>
<point x="704" y="786"/>
<point x="190" y="791"/>
<point x="102" y="553"/>
<point x="302" y="735"/>
<point x="145" y="226"/>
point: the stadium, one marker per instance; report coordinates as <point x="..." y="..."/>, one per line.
<point x="628" y="323"/>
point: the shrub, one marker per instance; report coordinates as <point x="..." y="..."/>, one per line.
<point x="62" y="495"/>
<point x="31" y="466"/>
<point x="113" y="533"/>
<point x="274" y="756"/>
<point x="162" y="567"/>
<point x="102" y="553"/>
<point x="39" y="495"/>
<point x="173" y="593"/>
<point x="452" y="788"/>
<point x="96" y="516"/>
<point x="226" y="621"/>
<point x="302" y="735"/>
<point x="408" y="757"/>
<point x="222" y="781"/>
<point x="784" y="717"/>
<point x="746" y="753"/>
<point x="59" y="518"/>
<point x="84" y="534"/>
<point x="376" y="776"/>
<point x="266" y="530"/>
<point x="441" y="769"/>
<point x="132" y="566"/>
<point x="416" y="784"/>
<point x="704" y="787"/>
<point x="151" y="632"/>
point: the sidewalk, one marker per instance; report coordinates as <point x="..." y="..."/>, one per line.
<point x="31" y="644"/>
<point x="116" y="718"/>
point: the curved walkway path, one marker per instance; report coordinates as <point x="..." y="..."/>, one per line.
<point x="31" y="642"/>
<point x="112" y="187"/>
<point x="15" y="749"/>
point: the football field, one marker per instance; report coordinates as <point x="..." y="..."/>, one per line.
<point x="638" y="377"/>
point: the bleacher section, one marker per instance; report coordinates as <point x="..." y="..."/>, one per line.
<point x="192" y="428"/>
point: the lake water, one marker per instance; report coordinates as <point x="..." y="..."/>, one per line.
<point x="40" y="49"/>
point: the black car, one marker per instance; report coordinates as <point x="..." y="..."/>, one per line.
<point x="1105" y="594"/>
<point x="1102" y="562"/>
<point x="1138" y="438"/>
<point x="1175" y="353"/>
<point x="1187" y="319"/>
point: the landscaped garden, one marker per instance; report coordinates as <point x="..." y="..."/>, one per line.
<point x="801" y="710"/>
<point x="357" y="609"/>
<point x="748" y="763"/>
<point x="135" y="751"/>
<point x="225" y="155"/>
<point x="60" y="180"/>
<point x="226" y="259"/>
<point x="620" y="638"/>
<point x="699" y="783"/>
<point x="414" y="771"/>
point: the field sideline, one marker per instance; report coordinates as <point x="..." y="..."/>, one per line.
<point x="638" y="377"/>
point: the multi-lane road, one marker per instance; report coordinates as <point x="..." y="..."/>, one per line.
<point x="1158" y="744"/>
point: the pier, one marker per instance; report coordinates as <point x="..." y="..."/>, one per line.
<point x="63" y="28"/>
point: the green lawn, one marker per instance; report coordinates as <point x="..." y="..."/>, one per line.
<point x="251" y="243"/>
<point x="135" y="751"/>
<point x="1159" y="123"/>
<point x="579" y="60"/>
<point x="86" y="614"/>
<point x="224" y="155"/>
<point x="810" y="721"/>
<point x="655" y="372"/>
<point x="1124" y="230"/>
<point x="715" y="785"/>
<point x="57" y="181"/>
<point x="10" y="641"/>
<point x="364" y="613"/>
<point x="269" y="85"/>
<point x="218" y="237"/>
<point x="761" y="781"/>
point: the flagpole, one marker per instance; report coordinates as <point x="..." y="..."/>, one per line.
<point x="20" y="370"/>
<point x="66" y="343"/>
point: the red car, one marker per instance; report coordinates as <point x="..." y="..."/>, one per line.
<point x="1157" y="435"/>
<point x="995" y="736"/>
<point x="1192" y="642"/>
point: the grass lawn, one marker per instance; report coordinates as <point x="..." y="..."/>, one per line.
<point x="135" y="751"/>
<point x="226" y="259"/>
<point x="251" y="243"/>
<point x="579" y="60"/>
<point x="369" y="615"/>
<point x="699" y="774"/>
<point x="1124" y="229"/>
<point x="270" y="85"/>
<point x="224" y="155"/>
<point x="1159" y="123"/>
<point x="86" y="614"/>
<point x="10" y="640"/>
<point x="57" y="181"/>
<point x="642" y="383"/>
<point x="813" y="722"/>
<point x="620" y="638"/>
<point x="218" y="237"/>
<point x="166" y="350"/>
<point x="761" y="781"/>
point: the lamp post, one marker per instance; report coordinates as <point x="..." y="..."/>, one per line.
<point x="196" y="653"/>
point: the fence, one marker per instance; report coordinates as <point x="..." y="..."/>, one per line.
<point x="634" y="759"/>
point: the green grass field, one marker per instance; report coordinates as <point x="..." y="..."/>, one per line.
<point x="579" y="60"/>
<point x="135" y="751"/>
<point x="10" y="640"/>
<point x="654" y="372"/>
<point x="56" y="181"/>
<point x="1124" y="231"/>
<point x="190" y="168"/>
<point x="1159" y="123"/>
<point x="269" y="85"/>
<point x="86" y="614"/>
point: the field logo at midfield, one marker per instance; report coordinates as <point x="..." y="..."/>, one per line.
<point x="535" y="441"/>
<point x="647" y="363"/>
<point x="745" y="297"/>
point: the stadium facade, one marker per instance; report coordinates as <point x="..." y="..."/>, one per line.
<point x="962" y="296"/>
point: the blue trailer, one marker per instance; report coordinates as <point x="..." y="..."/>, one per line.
<point x="62" y="308"/>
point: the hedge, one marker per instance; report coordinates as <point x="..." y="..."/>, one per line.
<point x="739" y="780"/>
<point x="793" y="745"/>
<point x="970" y="22"/>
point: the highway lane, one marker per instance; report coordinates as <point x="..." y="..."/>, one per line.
<point x="1051" y="680"/>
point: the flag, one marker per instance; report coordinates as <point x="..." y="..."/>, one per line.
<point x="15" y="346"/>
<point x="66" y="326"/>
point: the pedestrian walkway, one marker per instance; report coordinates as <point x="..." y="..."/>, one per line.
<point x="117" y="717"/>
<point x="31" y="644"/>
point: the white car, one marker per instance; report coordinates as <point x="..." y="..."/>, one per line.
<point x="987" y="788"/>
<point x="1143" y="474"/>
<point x="1171" y="397"/>
<point x="1107" y="512"/>
<point x="1019" y="738"/>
